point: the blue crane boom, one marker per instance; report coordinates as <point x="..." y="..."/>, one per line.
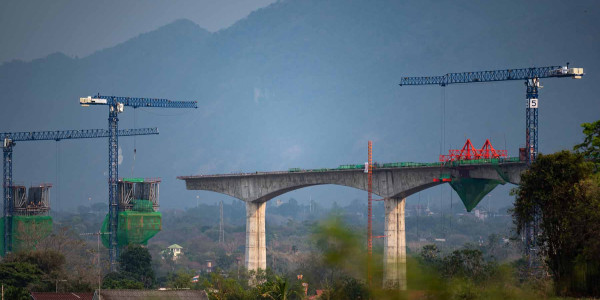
<point x="136" y="102"/>
<point x="116" y="105"/>
<point x="498" y="75"/>
<point x="71" y="134"/>
<point x="531" y="77"/>
<point x="8" y="142"/>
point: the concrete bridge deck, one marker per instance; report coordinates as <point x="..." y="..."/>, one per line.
<point x="398" y="182"/>
<point x="393" y="184"/>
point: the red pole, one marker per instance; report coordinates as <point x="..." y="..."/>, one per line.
<point x="370" y="214"/>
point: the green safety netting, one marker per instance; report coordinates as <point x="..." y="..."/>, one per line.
<point x="27" y="231"/>
<point x="472" y="190"/>
<point x="142" y="205"/>
<point x="133" y="179"/>
<point x="134" y="227"/>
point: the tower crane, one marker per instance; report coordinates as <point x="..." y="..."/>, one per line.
<point x="116" y="105"/>
<point x="532" y="82"/>
<point x="9" y="139"/>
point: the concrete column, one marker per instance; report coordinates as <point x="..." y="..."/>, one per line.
<point x="394" y="251"/>
<point x="256" y="250"/>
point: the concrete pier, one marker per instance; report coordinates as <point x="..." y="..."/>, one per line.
<point x="394" y="251"/>
<point x="256" y="250"/>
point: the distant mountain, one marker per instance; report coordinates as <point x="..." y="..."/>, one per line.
<point x="304" y="83"/>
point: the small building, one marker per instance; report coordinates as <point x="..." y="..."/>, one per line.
<point x="209" y="266"/>
<point x="174" y="250"/>
<point x="150" y="294"/>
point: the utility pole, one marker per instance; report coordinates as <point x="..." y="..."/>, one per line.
<point x="221" y="229"/>
<point x="98" y="234"/>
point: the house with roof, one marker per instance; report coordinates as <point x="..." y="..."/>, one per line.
<point x="173" y="252"/>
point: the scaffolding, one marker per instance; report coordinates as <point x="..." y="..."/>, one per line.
<point x="28" y="221"/>
<point x="138" y="218"/>
<point x="132" y="189"/>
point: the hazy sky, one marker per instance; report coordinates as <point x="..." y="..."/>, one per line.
<point x="301" y="73"/>
<point x="33" y="29"/>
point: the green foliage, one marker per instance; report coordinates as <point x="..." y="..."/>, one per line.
<point x="45" y="272"/>
<point x="117" y="280"/>
<point x="19" y="274"/>
<point x="430" y="255"/>
<point x="47" y="261"/>
<point x="16" y="293"/>
<point x="225" y="261"/>
<point x="591" y="144"/>
<point x="278" y="288"/>
<point x="180" y="280"/>
<point x="464" y="274"/>
<point x="347" y="288"/>
<point x="340" y="247"/>
<point x="136" y="262"/>
<point x="219" y="287"/>
<point x="562" y="189"/>
<point x="462" y="263"/>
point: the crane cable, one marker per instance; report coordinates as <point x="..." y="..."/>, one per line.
<point x="442" y="145"/>
<point x="134" y="144"/>
<point x="57" y="176"/>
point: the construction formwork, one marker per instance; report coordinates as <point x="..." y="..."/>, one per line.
<point x="138" y="216"/>
<point x="28" y="221"/>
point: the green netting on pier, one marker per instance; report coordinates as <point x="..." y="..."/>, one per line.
<point x="27" y="231"/>
<point x="142" y="205"/>
<point x="134" y="227"/>
<point x="472" y="190"/>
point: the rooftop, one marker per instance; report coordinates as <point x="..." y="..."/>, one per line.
<point x="151" y="294"/>
<point x="61" y="296"/>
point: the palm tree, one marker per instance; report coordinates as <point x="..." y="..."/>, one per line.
<point x="281" y="289"/>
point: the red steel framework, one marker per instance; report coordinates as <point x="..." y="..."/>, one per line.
<point x="469" y="152"/>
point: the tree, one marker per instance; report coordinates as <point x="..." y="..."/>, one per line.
<point x="466" y="263"/>
<point x="136" y="261"/>
<point x="19" y="274"/>
<point x="591" y="144"/>
<point x="562" y="189"/>
<point x="181" y="280"/>
<point x="347" y="288"/>
<point x="279" y="288"/>
<point x="430" y="255"/>
<point x="76" y="253"/>
<point x="117" y="280"/>
<point x="462" y="263"/>
<point x="49" y="263"/>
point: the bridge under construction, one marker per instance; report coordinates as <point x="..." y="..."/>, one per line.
<point x="472" y="179"/>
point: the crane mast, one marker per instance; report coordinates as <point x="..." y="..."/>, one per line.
<point x="116" y="105"/>
<point x="8" y="143"/>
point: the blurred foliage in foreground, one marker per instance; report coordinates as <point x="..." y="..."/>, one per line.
<point x="339" y="270"/>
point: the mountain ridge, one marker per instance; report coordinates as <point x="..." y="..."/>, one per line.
<point x="301" y="84"/>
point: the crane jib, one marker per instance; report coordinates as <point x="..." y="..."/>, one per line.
<point x="498" y="75"/>
<point x="72" y="134"/>
<point x="148" y="102"/>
